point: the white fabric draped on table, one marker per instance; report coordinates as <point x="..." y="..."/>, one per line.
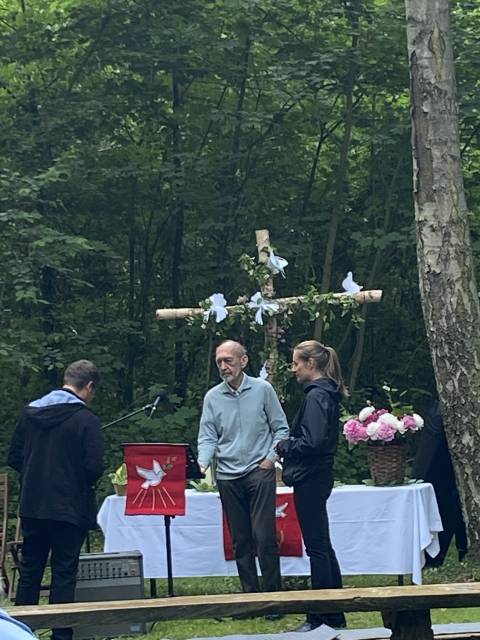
<point x="374" y="530"/>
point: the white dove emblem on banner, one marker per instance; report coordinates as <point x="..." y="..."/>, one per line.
<point x="153" y="477"/>
<point x="280" y="510"/>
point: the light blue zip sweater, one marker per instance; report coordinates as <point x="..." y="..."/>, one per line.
<point x="240" y="428"/>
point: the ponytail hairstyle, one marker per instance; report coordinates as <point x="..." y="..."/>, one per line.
<point x="325" y="360"/>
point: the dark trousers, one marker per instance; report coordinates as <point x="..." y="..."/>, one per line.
<point x="311" y="505"/>
<point x="64" y="541"/>
<point x="249" y="506"/>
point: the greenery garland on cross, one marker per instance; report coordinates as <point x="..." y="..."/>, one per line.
<point x="214" y="309"/>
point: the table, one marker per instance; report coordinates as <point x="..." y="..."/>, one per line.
<point x="374" y="530"/>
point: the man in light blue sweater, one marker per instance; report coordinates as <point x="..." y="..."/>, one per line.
<point x="241" y="423"/>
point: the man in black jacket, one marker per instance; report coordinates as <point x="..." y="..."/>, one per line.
<point x="433" y="464"/>
<point x="58" y="449"/>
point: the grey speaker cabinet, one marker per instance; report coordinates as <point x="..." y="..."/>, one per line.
<point x="109" y="576"/>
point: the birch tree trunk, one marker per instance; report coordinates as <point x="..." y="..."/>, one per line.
<point x="446" y="271"/>
<point x="262" y="237"/>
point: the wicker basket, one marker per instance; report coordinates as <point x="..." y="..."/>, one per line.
<point x="387" y="463"/>
<point x="120" y="489"/>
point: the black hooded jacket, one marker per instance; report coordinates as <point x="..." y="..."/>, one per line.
<point x="311" y="447"/>
<point x="58" y="449"/>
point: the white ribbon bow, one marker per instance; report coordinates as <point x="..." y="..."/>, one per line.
<point x="276" y="264"/>
<point x="263" y="372"/>
<point x="217" y="307"/>
<point x="258" y="302"/>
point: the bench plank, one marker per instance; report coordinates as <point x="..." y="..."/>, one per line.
<point x="411" y="598"/>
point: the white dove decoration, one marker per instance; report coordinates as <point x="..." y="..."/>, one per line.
<point x="280" y="510"/>
<point x="349" y="285"/>
<point x="262" y="306"/>
<point x="263" y="372"/>
<point x="153" y="477"/>
<point x="217" y="307"/>
<point x="276" y="264"/>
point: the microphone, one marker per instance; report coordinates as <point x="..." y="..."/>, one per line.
<point x="161" y="396"/>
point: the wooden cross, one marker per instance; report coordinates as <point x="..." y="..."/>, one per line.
<point x="271" y="326"/>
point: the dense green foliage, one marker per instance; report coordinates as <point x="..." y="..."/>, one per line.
<point x="143" y="142"/>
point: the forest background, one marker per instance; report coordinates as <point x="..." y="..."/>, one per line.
<point x="143" y="142"/>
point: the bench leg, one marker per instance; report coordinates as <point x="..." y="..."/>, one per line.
<point x="407" y="625"/>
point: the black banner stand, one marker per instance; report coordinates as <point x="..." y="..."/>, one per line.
<point x="192" y="473"/>
<point x="168" y="548"/>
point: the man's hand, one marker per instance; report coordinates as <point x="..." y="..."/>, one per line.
<point x="266" y="464"/>
<point x="203" y="469"/>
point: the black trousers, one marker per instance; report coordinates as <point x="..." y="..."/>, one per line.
<point x="249" y="506"/>
<point x="63" y="541"/>
<point x="311" y="505"/>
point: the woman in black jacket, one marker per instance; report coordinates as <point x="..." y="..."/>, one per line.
<point x="308" y="456"/>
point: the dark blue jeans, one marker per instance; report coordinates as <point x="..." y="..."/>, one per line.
<point x="311" y="505"/>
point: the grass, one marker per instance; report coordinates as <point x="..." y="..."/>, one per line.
<point x="451" y="571"/>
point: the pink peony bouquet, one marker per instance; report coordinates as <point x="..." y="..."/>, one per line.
<point x="379" y="425"/>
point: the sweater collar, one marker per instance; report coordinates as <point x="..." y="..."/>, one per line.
<point x="245" y="384"/>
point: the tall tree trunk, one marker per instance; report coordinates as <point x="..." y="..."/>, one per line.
<point x="129" y="382"/>
<point x="447" y="281"/>
<point x="356" y="358"/>
<point x="313" y="172"/>
<point x="233" y="182"/>
<point x="48" y="288"/>
<point x="342" y="171"/>
<point x="179" y="221"/>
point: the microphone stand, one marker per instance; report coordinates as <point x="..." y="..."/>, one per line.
<point x="152" y="407"/>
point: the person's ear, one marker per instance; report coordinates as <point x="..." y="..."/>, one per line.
<point x="244" y="361"/>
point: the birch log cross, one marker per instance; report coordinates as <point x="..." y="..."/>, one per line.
<point x="284" y="304"/>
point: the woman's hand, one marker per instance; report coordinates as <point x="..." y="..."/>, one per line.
<point x="280" y="448"/>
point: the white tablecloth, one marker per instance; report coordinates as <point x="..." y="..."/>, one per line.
<point x="374" y="530"/>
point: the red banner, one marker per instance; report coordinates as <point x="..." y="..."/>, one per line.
<point x="156" y="479"/>
<point x="289" y="536"/>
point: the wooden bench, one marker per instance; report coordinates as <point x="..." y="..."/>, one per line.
<point x="405" y="610"/>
